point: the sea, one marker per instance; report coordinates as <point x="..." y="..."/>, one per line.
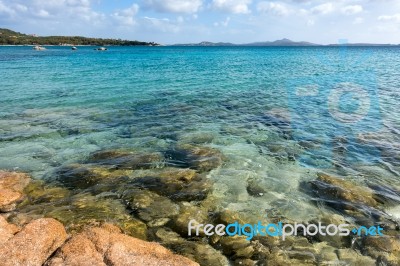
<point x="279" y="115"/>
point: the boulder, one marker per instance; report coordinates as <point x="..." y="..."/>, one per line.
<point x="33" y="244"/>
<point x="78" y="251"/>
<point x="7" y="230"/>
<point x="12" y="185"/>
<point x="106" y="245"/>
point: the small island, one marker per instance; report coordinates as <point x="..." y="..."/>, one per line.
<point x="9" y="37"/>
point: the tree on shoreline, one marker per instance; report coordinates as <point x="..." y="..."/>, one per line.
<point x="9" y="37"/>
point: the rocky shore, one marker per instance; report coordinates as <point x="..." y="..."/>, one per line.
<point x="44" y="241"/>
<point x="121" y="207"/>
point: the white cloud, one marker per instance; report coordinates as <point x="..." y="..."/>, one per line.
<point x="126" y="16"/>
<point x="174" y="6"/>
<point x="350" y="10"/>
<point x="323" y="9"/>
<point x="275" y="8"/>
<point x="160" y="25"/>
<point x="233" y="6"/>
<point x="224" y="23"/>
<point x="392" y="18"/>
<point x="50" y="9"/>
<point x="358" y="20"/>
<point x="21" y="8"/>
<point x="43" y="13"/>
<point x="310" y="22"/>
<point x="5" y="10"/>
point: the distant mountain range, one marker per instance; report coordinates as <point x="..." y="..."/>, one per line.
<point x="283" y="42"/>
<point x="9" y="37"/>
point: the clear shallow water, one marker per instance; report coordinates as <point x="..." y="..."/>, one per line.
<point x="58" y="106"/>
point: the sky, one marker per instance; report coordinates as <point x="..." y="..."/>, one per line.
<point x="193" y="21"/>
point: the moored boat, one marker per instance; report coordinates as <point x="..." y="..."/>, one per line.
<point x="39" y="48"/>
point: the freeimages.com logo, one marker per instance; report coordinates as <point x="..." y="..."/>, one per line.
<point x="280" y="229"/>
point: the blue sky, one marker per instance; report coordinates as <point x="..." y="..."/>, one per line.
<point x="183" y="21"/>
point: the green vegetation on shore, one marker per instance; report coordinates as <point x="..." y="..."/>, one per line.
<point x="9" y="37"/>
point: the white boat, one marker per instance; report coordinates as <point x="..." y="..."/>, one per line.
<point x="39" y="48"/>
<point x="74" y="48"/>
<point x="101" y="49"/>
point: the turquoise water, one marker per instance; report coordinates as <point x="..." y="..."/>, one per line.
<point x="58" y="106"/>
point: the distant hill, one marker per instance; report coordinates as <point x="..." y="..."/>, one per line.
<point x="283" y="42"/>
<point x="207" y="44"/>
<point x="9" y="37"/>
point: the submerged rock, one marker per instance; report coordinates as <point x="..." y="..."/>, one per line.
<point x="382" y="247"/>
<point x="337" y="240"/>
<point x="12" y="185"/>
<point x="245" y="262"/>
<point x="352" y="257"/>
<point x="255" y="189"/>
<point x="202" y="159"/>
<point x="167" y="236"/>
<point x="127" y="160"/>
<point x="106" y="245"/>
<point x="177" y="184"/>
<point x="197" y="137"/>
<point x="171" y="175"/>
<point x="85" y="176"/>
<point x="385" y="194"/>
<point x="76" y="176"/>
<point x="149" y="205"/>
<point x="79" y="210"/>
<point x="134" y="227"/>
<point x="278" y="118"/>
<point x="228" y="217"/>
<point x="186" y="214"/>
<point x="339" y="189"/>
<point x="204" y="254"/>
<point x="38" y="192"/>
<point x="237" y="247"/>
<point x="83" y="209"/>
<point x="348" y="198"/>
<point x="33" y="244"/>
